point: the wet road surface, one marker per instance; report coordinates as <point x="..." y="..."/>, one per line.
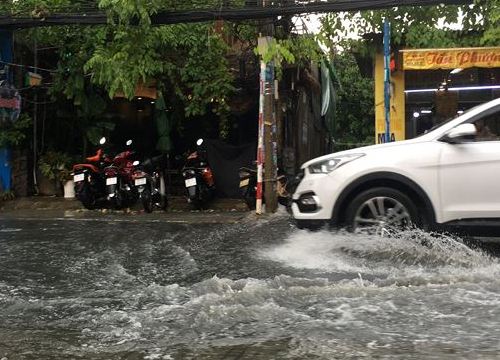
<point x="130" y="290"/>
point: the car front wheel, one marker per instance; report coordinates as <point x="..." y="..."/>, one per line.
<point x="380" y="210"/>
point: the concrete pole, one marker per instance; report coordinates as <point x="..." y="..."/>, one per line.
<point x="260" y="145"/>
<point x="266" y="180"/>
<point x="270" y="170"/>
<point x="266" y="149"/>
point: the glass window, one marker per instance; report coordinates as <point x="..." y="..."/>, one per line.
<point x="488" y="127"/>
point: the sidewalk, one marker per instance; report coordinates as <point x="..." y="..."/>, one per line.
<point x="179" y="211"/>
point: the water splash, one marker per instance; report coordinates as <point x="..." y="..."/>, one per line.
<point x="411" y="257"/>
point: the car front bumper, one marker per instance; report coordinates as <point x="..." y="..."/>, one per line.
<point x="314" y="198"/>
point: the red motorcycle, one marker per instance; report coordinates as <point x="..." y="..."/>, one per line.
<point x="120" y="188"/>
<point x="90" y="186"/>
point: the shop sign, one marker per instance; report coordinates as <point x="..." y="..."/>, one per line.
<point x="487" y="57"/>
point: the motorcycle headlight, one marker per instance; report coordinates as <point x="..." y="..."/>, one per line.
<point x="328" y="165"/>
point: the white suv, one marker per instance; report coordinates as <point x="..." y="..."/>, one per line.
<point x="448" y="176"/>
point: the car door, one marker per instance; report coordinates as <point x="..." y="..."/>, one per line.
<point x="469" y="172"/>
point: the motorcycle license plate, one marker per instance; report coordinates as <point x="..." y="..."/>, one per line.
<point x="191" y="182"/>
<point x="78" y="177"/>
<point x="111" y="181"/>
<point x="244" y="182"/>
<point x="141" y="181"/>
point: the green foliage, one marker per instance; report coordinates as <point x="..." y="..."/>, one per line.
<point x="188" y="58"/>
<point x="421" y="26"/>
<point x="354" y="118"/>
<point x="491" y="35"/>
<point x="15" y="134"/>
<point x="95" y="132"/>
<point x="7" y="195"/>
<point x="55" y="165"/>
<point x="297" y="50"/>
<point x="188" y="61"/>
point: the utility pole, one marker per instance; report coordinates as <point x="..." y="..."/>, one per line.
<point x="35" y="118"/>
<point x="266" y="150"/>
<point x="387" y="80"/>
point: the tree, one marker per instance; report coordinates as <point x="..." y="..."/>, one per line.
<point x="187" y="61"/>
<point x="354" y="115"/>
<point x="422" y="26"/>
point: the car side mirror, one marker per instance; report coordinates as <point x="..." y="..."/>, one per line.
<point x="460" y="133"/>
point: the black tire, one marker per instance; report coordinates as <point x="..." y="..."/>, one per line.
<point x="250" y="201"/>
<point x="359" y="208"/>
<point x="311" y="225"/>
<point x="196" y="205"/>
<point x="87" y="198"/>
<point x="118" y="201"/>
<point x="147" y="200"/>
<point x="163" y="202"/>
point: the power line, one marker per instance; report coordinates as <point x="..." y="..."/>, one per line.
<point x="224" y="13"/>
<point x="27" y="67"/>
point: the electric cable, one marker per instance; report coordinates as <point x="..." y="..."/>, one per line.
<point x="225" y="13"/>
<point x="28" y="67"/>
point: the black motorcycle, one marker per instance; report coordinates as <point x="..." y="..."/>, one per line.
<point x="248" y="187"/>
<point x="198" y="178"/>
<point x="147" y="180"/>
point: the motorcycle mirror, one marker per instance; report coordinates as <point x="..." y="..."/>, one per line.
<point x="102" y="141"/>
<point x="199" y="142"/>
<point x="135" y="163"/>
<point x="129" y="142"/>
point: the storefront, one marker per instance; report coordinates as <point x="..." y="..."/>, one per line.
<point x="429" y="86"/>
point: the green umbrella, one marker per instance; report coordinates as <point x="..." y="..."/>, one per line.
<point x="163" y="125"/>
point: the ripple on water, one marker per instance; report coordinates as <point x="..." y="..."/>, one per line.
<point x="414" y="295"/>
<point x="362" y="319"/>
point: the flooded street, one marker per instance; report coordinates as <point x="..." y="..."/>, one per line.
<point x="74" y="289"/>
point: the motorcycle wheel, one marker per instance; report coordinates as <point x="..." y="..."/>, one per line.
<point x="197" y="205"/>
<point x="87" y="198"/>
<point x="250" y="201"/>
<point x="118" y="201"/>
<point x="163" y="202"/>
<point x="147" y="200"/>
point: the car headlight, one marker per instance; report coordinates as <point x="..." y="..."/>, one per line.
<point x="328" y="165"/>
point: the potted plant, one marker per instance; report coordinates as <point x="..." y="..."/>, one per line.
<point x="56" y="167"/>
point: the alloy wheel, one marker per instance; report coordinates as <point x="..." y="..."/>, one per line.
<point x="378" y="215"/>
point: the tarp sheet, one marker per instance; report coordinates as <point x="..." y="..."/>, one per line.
<point x="225" y="161"/>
